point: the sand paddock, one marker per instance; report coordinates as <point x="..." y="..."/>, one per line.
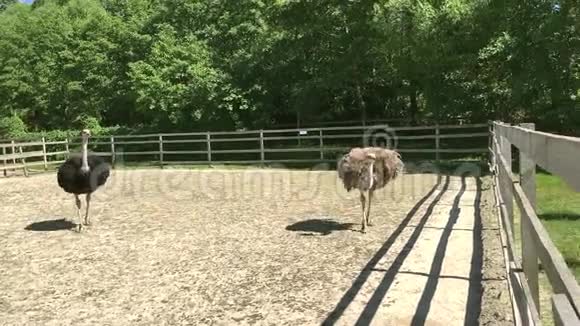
<point x="272" y="247"/>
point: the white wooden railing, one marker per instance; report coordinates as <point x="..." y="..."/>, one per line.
<point x="559" y="155"/>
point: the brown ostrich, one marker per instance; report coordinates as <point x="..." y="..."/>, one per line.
<point x="368" y="169"/>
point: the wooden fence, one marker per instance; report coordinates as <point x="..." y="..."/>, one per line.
<point x="24" y="155"/>
<point x="306" y="145"/>
<point x="559" y="155"/>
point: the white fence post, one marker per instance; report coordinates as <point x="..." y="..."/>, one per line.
<point x="23" y="161"/>
<point x="208" y="142"/>
<point x="4" y="161"/>
<point x="161" y="151"/>
<point x="262" y="154"/>
<point x="528" y="171"/>
<point x="44" y="158"/>
<point x="437" y="140"/>
<point x="67" y="147"/>
<point x="13" y="152"/>
<point x="508" y="196"/>
<point x="321" y="142"/>
<point x="113" y="154"/>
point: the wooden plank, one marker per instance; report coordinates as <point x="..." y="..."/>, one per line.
<point x="560" y="277"/>
<point x="128" y="153"/>
<point x="228" y="140"/>
<point x="555" y="153"/>
<point x="381" y="126"/>
<point x="15" y="144"/>
<point x="62" y="142"/>
<point x="231" y="151"/>
<point x="184" y="152"/>
<point x="183" y="141"/>
<point x="564" y="314"/>
<point x="56" y="153"/>
<point x="290" y="137"/>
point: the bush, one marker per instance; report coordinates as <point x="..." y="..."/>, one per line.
<point x="12" y="127"/>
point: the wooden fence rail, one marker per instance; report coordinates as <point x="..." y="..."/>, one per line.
<point x="556" y="154"/>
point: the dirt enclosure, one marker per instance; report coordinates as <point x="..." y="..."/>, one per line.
<point x="268" y="247"/>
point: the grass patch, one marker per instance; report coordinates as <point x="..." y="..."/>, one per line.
<point x="559" y="209"/>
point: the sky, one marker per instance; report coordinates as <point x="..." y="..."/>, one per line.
<point x="27" y="1"/>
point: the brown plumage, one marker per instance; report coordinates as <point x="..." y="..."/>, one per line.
<point x="368" y="169"/>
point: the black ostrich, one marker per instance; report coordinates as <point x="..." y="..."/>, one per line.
<point x="83" y="175"/>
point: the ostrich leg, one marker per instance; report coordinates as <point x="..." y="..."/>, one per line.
<point x="87" y="218"/>
<point x="369" y="208"/>
<point x="363" y="205"/>
<point x="366" y="202"/>
<point x="78" y="203"/>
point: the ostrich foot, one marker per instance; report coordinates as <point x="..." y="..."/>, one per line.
<point x="79" y="228"/>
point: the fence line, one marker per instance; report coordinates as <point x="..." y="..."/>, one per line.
<point x="258" y="146"/>
<point x="547" y="151"/>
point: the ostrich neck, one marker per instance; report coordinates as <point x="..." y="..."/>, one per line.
<point x="371" y="172"/>
<point x="84" y="156"/>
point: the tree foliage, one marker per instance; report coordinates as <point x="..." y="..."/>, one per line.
<point x="221" y="64"/>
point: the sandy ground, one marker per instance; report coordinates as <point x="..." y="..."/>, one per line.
<point x="187" y="247"/>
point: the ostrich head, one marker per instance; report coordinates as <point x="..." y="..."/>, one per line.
<point x="85" y="133"/>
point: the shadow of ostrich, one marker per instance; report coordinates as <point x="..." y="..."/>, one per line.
<point x="319" y="227"/>
<point x="51" y="225"/>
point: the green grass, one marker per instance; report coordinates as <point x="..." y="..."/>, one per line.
<point x="558" y="207"/>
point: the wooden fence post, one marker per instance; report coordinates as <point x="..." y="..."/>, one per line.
<point x="44" y="158"/>
<point x="437" y="140"/>
<point x="528" y="171"/>
<point x="23" y="161"/>
<point x="529" y="250"/>
<point x="13" y="152"/>
<point x="161" y="151"/>
<point x="208" y="143"/>
<point x="508" y="195"/>
<point x="530" y="258"/>
<point x="67" y="147"/>
<point x="262" y="155"/>
<point x="321" y="142"/>
<point x="113" y="154"/>
<point x="4" y="161"/>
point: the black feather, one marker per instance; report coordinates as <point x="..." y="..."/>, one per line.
<point x="73" y="180"/>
